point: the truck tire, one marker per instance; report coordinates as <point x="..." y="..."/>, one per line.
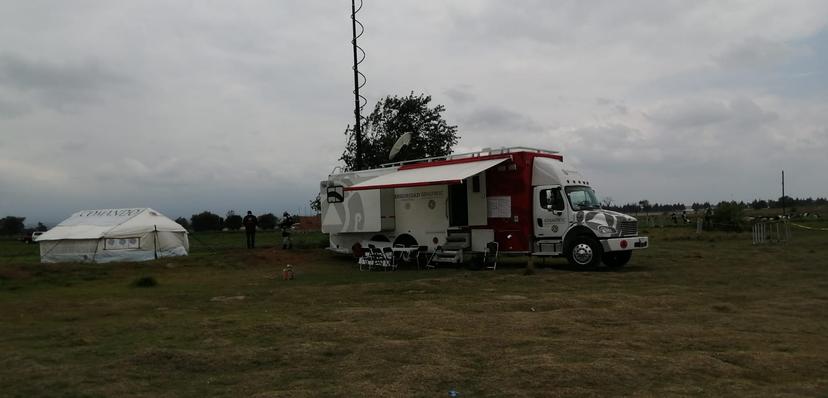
<point x="584" y="251"/>
<point x="616" y="259"/>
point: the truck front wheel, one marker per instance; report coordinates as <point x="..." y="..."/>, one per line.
<point x="584" y="251"/>
<point x="617" y="259"/>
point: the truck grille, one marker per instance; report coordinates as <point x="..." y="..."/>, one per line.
<point x="629" y="228"/>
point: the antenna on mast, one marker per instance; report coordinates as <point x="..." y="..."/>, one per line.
<point x="359" y="101"/>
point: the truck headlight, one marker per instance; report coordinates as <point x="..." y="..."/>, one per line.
<point x="606" y="230"/>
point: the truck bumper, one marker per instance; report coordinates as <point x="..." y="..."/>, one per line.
<point x="621" y="244"/>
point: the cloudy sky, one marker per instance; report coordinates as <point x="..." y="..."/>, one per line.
<point x="186" y="106"/>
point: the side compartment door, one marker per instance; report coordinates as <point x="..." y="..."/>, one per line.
<point x="550" y="219"/>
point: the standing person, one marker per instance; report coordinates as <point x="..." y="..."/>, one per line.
<point x="708" y="218"/>
<point x="250" y="222"/>
<point x="287" y="222"/>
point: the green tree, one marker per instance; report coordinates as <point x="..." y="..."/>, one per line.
<point x="645" y="205"/>
<point x="183" y="222"/>
<point x="728" y="217"/>
<point x="233" y="222"/>
<point x="11" y="225"/>
<point x="268" y="221"/>
<point x="393" y="117"/>
<point x="41" y="228"/>
<point x="206" y="221"/>
<point x="316" y="204"/>
<point x="607" y="202"/>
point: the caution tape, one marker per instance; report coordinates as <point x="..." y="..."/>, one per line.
<point x="811" y="228"/>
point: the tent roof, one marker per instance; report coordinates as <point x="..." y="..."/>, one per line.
<point x="426" y="174"/>
<point x="104" y="223"/>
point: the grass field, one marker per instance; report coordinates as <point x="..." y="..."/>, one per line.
<point x="707" y="315"/>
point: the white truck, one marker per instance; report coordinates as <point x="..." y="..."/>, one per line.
<point x="527" y="200"/>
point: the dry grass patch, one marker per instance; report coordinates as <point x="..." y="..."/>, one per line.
<point x="702" y="316"/>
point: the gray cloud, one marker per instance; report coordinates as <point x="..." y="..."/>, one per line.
<point x="10" y="109"/>
<point x="59" y="85"/>
<point x="700" y="113"/>
<point x="460" y="94"/>
<point x="209" y="106"/>
<point x="754" y="52"/>
<point x="495" y="118"/>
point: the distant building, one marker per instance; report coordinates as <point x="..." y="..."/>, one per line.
<point x="308" y="224"/>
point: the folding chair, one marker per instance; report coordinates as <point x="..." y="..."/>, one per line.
<point x="429" y="264"/>
<point x="422" y="252"/>
<point x="490" y="255"/>
<point x="367" y="258"/>
<point x="388" y="256"/>
<point x="411" y="256"/>
<point x="378" y="258"/>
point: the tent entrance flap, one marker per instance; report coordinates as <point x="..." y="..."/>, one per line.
<point x="445" y="174"/>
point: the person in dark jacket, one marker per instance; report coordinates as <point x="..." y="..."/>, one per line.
<point x="285" y="225"/>
<point x="250" y="222"/>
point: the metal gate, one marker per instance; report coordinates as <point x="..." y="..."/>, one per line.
<point x="771" y="231"/>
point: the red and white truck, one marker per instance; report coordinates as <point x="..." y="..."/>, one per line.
<point x="527" y="200"/>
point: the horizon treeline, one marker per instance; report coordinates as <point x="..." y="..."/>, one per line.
<point x="756" y="204"/>
<point x="208" y="221"/>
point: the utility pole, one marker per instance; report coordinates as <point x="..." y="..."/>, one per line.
<point x="783" y="193"/>
<point x="357" y="116"/>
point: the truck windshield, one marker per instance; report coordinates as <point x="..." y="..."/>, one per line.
<point x="582" y="198"/>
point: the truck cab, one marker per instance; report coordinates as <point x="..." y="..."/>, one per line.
<point x="569" y="221"/>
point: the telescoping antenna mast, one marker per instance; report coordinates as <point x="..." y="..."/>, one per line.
<point x="359" y="101"/>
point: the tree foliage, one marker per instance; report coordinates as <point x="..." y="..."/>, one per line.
<point x="316" y="204"/>
<point x="268" y="221"/>
<point x="393" y="117"/>
<point x="206" y="221"/>
<point x="233" y="222"/>
<point x="728" y="217"/>
<point x="631" y="208"/>
<point x="183" y="222"/>
<point x="11" y="225"/>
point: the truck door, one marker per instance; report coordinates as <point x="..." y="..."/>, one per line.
<point x="458" y="209"/>
<point x="549" y="211"/>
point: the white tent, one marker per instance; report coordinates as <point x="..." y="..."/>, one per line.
<point x="108" y="235"/>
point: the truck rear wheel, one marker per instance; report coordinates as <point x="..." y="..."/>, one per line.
<point x="584" y="251"/>
<point x="616" y="259"/>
